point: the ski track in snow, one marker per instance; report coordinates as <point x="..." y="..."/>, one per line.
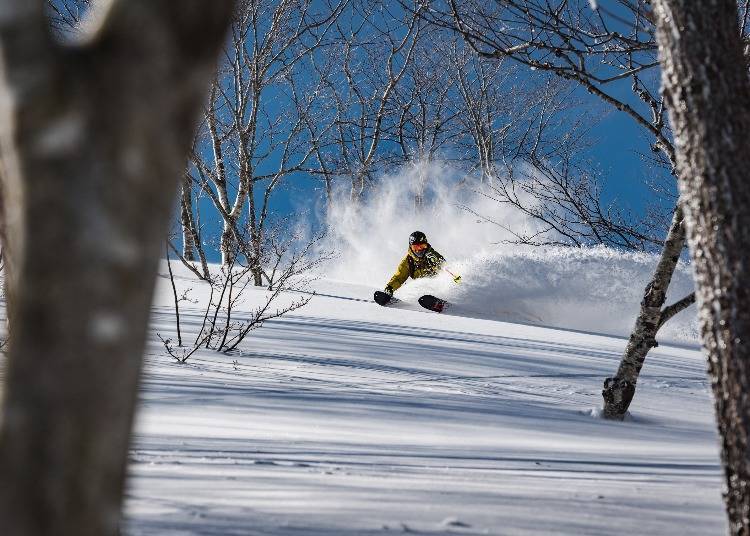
<point x="347" y="419"/>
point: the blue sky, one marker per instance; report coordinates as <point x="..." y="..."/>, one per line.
<point x="620" y="142"/>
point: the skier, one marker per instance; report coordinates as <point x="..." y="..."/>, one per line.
<point x="421" y="261"/>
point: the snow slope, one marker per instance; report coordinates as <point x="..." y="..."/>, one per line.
<point x="347" y="419"/>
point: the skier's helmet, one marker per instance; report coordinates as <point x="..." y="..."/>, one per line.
<point x="418" y="243"/>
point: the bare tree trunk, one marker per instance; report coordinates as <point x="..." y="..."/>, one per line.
<point x="228" y="245"/>
<point x="186" y="219"/>
<point x="618" y="391"/>
<point x="256" y="233"/>
<point x="420" y="186"/>
<point x="93" y="147"/>
<point x="191" y="240"/>
<point x="7" y="267"/>
<point x="705" y="84"/>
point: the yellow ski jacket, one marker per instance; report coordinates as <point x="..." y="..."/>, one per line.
<point x="412" y="266"/>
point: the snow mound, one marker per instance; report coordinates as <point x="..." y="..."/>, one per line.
<point x="593" y="289"/>
<point x="590" y="289"/>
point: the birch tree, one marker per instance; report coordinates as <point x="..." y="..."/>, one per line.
<point x="485" y="93"/>
<point x="192" y="245"/>
<point x="254" y="137"/>
<point x="426" y="125"/>
<point x="707" y="89"/>
<point x="92" y="144"/>
<point x="376" y="49"/>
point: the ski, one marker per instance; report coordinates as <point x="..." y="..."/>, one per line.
<point x="427" y="301"/>
<point x="432" y="303"/>
<point x="384" y="299"/>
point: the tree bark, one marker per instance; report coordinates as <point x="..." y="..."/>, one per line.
<point x="191" y="239"/>
<point x="186" y="219"/>
<point x="706" y="86"/>
<point x="618" y="391"/>
<point x="93" y="144"/>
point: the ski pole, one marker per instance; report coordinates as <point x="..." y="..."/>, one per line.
<point x="456" y="278"/>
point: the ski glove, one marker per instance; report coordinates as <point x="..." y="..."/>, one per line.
<point x="389" y="290"/>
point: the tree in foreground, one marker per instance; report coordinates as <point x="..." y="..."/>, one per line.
<point x="706" y="87"/>
<point x="93" y="145"/>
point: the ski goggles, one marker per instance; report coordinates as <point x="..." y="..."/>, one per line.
<point x="418" y="247"/>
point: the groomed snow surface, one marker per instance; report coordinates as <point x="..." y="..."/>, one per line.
<point x="345" y="418"/>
